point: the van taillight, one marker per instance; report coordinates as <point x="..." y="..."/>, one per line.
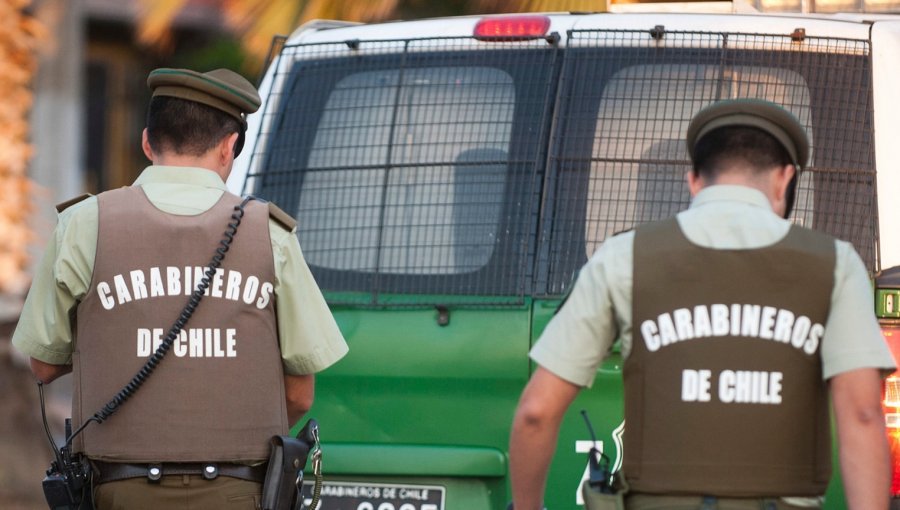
<point x="512" y="28"/>
<point x="891" y="403"/>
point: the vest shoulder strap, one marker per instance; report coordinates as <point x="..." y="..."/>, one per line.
<point x="62" y="206"/>
<point x="282" y="218"/>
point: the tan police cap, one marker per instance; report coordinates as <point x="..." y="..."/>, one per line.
<point x="221" y="89"/>
<point x="764" y="115"/>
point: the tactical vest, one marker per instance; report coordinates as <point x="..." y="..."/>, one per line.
<point x="218" y="395"/>
<point x="723" y="386"/>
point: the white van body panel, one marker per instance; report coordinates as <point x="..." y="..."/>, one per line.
<point x="886" y="80"/>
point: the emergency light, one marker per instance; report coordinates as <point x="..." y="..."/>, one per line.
<point x="887" y="308"/>
<point x="511" y="28"/>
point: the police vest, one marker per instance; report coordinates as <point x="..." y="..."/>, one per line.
<point x="723" y="386"/>
<point x="218" y="395"/>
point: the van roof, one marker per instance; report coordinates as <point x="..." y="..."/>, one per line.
<point x="849" y="25"/>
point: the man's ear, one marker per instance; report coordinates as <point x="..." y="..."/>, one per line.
<point x="226" y="147"/>
<point x="145" y="145"/>
<point x="695" y="182"/>
<point x="783" y="176"/>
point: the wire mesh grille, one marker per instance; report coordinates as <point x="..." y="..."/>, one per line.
<point x="626" y="100"/>
<point x="449" y="171"/>
<point x="411" y="166"/>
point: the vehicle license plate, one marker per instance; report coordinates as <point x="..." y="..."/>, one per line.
<point x="375" y="496"/>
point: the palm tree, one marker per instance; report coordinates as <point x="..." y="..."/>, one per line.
<point x="259" y="20"/>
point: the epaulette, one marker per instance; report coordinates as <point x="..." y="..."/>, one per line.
<point x="62" y="206"/>
<point x="282" y="218"/>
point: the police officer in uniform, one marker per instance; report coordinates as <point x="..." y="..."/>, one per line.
<point x="117" y="273"/>
<point x="735" y="326"/>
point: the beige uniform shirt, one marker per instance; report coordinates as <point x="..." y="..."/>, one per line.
<point x="309" y="337"/>
<point x="598" y="310"/>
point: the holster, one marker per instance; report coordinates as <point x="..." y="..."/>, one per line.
<point x="604" y="489"/>
<point x="596" y="500"/>
<point x="287" y="458"/>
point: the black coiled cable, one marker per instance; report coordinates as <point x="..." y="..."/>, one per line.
<point x="193" y="301"/>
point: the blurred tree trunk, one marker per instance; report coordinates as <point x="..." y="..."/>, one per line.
<point x="23" y="445"/>
<point x="20" y="34"/>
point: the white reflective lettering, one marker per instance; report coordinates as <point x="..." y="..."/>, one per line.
<point x="695" y="385"/>
<point x="173" y="275"/>
<point x="775" y="387"/>
<point x="667" y="334"/>
<point x="138" y="286"/>
<point x="143" y="342"/>
<point x="684" y="324"/>
<point x="157" y="338"/>
<point x="702" y="325"/>
<point x="181" y="344"/>
<point x="783" y="325"/>
<point x="196" y="342"/>
<point x="651" y="338"/>
<point x="801" y="331"/>
<point x="103" y="292"/>
<point x="719" y="320"/>
<point x="233" y="290"/>
<point x="217" y="282"/>
<point x="250" y="289"/>
<point x="768" y="322"/>
<point x="815" y="336"/>
<point x="157" y="288"/>
<point x="121" y="289"/>
<point x="188" y="288"/>
<point x="230" y="342"/>
<point x="264" y="292"/>
<point x="750" y="322"/>
<point x="726" y="386"/>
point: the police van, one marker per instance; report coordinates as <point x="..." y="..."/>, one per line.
<point x="450" y="177"/>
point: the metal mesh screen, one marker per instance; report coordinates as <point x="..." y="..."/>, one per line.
<point x="626" y="100"/>
<point x="411" y="166"/>
<point x="450" y="171"/>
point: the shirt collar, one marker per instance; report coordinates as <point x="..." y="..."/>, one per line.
<point x="180" y="175"/>
<point x="731" y="193"/>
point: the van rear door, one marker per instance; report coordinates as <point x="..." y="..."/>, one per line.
<point x="414" y="169"/>
<point x="617" y="156"/>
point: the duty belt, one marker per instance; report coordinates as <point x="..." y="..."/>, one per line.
<point x="113" y="471"/>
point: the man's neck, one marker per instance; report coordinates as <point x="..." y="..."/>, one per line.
<point x="208" y="161"/>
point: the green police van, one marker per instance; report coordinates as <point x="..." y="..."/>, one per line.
<point x="451" y="176"/>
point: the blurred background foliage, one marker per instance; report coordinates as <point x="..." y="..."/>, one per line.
<point x="255" y="22"/>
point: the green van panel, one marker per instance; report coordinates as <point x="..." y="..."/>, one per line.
<point x="415" y="460"/>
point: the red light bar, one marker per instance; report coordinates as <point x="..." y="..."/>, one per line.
<point x="891" y="404"/>
<point x="512" y="28"/>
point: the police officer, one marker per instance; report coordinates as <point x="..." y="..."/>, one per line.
<point x="118" y="272"/>
<point x="735" y="325"/>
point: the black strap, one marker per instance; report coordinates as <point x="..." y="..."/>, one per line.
<point x="114" y="471"/>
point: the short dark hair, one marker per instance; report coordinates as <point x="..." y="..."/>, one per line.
<point x="186" y="127"/>
<point x="728" y="145"/>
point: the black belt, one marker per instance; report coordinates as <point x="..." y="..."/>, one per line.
<point x="113" y="471"/>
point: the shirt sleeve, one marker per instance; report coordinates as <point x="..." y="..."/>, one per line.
<point x="852" y="338"/>
<point x="581" y="334"/>
<point x="309" y="336"/>
<point x="60" y="281"/>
